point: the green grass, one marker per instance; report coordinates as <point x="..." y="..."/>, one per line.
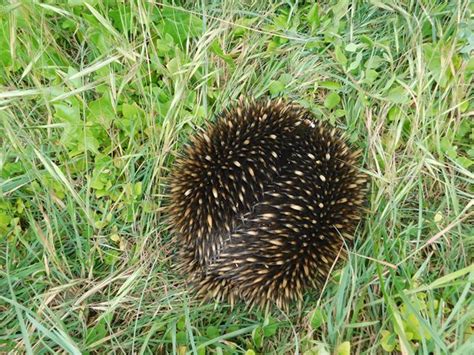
<point x="96" y="100"/>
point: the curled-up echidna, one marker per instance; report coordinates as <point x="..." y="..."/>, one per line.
<point x="263" y="202"/>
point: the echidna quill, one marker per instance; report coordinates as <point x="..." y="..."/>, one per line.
<point x="263" y="202"/>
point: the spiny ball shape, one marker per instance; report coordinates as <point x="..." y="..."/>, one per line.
<point x="263" y="202"/>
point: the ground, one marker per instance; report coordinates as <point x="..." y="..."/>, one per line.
<point x="98" y="97"/>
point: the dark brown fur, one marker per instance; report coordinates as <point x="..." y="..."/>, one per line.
<point x="262" y="203"/>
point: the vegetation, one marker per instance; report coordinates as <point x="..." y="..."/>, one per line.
<point x="96" y="99"/>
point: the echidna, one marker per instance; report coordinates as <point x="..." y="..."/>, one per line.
<point x="263" y="202"/>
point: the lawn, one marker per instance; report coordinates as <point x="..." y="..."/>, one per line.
<point x="97" y="98"/>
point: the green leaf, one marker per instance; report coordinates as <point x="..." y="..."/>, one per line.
<point x="434" y="56"/>
<point x="174" y="66"/>
<point x="216" y="48"/>
<point x="332" y="100"/>
<point x="340" y="8"/>
<point x="412" y="325"/>
<point x="165" y="45"/>
<point x="101" y="112"/>
<point x="97" y="332"/>
<point x="241" y="25"/>
<point x="470" y="66"/>
<point x="20" y="206"/>
<point x="465" y="162"/>
<point x="133" y="118"/>
<point x="370" y="76"/>
<point x="355" y="64"/>
<point x="5" y="58"/>
<point x="181" y="324"/>
<point x="374" y="62"/>
<point x="388" y="341"/>
<point x="367" y="40"/>
<point x="285" y="78"/>
<point x="470" y="153"/>
<point x="132" y="111"/>
<point x="137" y="189"/>
<point x="271" y="328"/>
<point x="465" y="127"/>
<point x="317" y="319"/>
<point x="97" y="183"/>
<point x="331" y="85"/>
<point x="397" y="95"/>
<point x="464" y="106"/>
<point x="89" y="142"/>
<point x="344" y="348"/>
<point x="212" y="331"/>
<point x="394" y="113"/>
<point x="339" y="113"/>
<point x="4" y="221"/>
<point x="257" y="337"/>
<point x="276" y="87"/>
<point x="67" y="113"/>
<point x="272" y="45"/>
<point x="351" y="47"/>
<point x="180" y="25"/>
<point x="76" y="83"/>
<point x="340" y="57"/>
<point x="121" y="18"/>
<point x="448" y="148"/>
<point x="181" y="337"/>
<point x="313" y="17"/>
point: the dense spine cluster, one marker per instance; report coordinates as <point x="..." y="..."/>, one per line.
<point x="262" y="202"/>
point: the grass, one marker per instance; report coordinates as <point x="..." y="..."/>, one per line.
<point x="96" y="99"/>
